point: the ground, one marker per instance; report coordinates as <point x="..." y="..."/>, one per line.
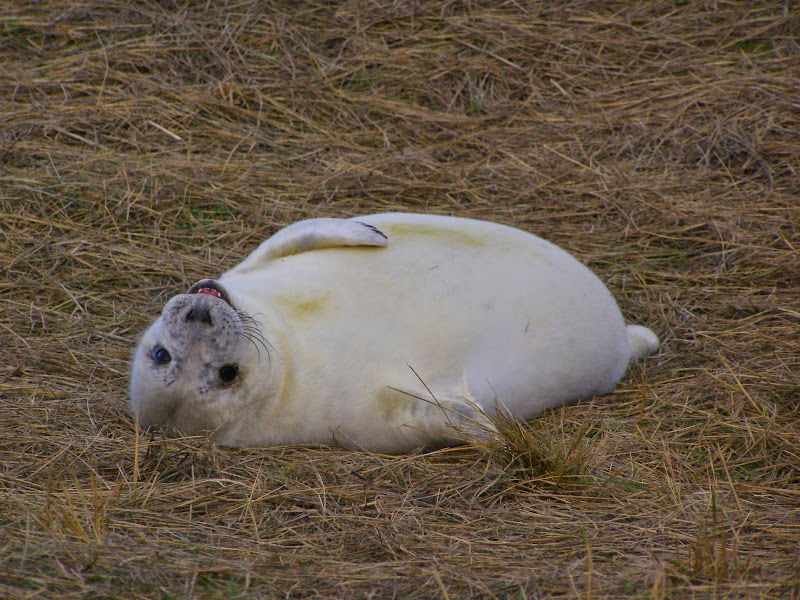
<point x="146" y="145"/>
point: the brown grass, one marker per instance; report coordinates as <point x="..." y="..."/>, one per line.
<point x="145" y="145"/>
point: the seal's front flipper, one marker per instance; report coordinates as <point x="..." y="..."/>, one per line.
<point x="446" y="421"/>
<point x="313" y="234"/>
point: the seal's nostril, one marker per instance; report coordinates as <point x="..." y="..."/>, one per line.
<point x="199" y="313"/>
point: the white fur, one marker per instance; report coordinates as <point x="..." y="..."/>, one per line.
<point x="386" y="343"/>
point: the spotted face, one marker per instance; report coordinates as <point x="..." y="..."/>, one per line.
<point x="190" y="369"/>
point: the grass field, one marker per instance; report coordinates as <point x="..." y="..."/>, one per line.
<point x="146" y="145"/>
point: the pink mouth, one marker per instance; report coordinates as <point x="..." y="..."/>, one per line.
<point x="210" y="292"/>
<point x="211" y="288"/>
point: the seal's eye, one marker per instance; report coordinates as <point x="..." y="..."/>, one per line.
<point x="228" y="373"/>
<point x="160" y="355"/>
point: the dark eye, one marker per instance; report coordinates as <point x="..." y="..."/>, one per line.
<point x="228" y="373"/>
<point x="160" y="355"/>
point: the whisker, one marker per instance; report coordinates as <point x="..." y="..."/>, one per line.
<point x="251" y="330"/>
<point x="256" y="341"/>
<point x="257" y="333"/>
<point x="254" y="325"/>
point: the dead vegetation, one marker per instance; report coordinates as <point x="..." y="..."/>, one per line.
<point x="146" y="145"/>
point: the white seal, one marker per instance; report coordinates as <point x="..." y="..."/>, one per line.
<point x="386" y="332"/>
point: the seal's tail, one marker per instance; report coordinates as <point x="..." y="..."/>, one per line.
<point x="642" y="341"/>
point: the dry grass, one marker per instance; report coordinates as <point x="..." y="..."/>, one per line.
<point x="145" y="145"/>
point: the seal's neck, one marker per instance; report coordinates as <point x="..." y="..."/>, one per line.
<point x="268" y="382"/>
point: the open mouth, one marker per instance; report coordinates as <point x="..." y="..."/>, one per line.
<point x="212" y="288"/>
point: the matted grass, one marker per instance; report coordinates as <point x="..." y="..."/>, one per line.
<point x="147" y="145"/>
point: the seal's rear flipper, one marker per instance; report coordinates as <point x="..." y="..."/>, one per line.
<point x="313" y="234"/>
<point x="642" y="341"/>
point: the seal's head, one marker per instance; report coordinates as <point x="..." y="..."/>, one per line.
<point x="196" y="366"/>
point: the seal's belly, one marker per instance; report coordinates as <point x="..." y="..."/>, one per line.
<point x="502" y="312"/>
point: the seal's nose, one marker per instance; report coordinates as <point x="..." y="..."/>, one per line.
<point x="199" y="312"/>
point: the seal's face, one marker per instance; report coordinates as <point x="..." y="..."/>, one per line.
<point x="190" y="369"/>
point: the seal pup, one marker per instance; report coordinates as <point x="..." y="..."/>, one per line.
<point x="387" y="332"/>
